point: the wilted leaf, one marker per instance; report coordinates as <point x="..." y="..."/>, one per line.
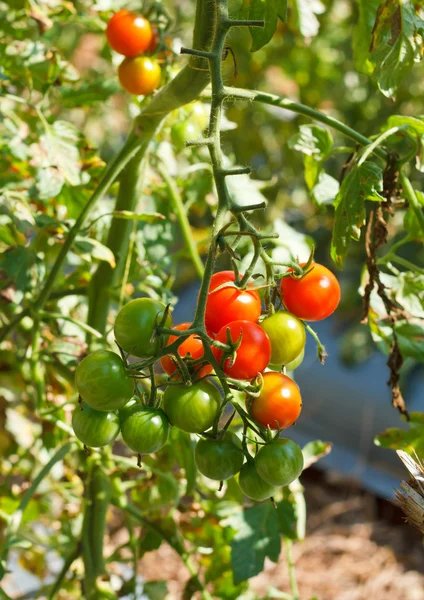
<point x="315" y="450"/>
<point x="363" y="182"/>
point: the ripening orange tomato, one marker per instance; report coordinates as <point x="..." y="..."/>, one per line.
<point x="279" y="403"/>
<point x="128" y="33"/>
<point x="139" y="76"/>
<point x="191" y="347"/>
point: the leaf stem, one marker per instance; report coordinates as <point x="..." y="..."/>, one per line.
<point x="412" y="197"/>
<point x="291" y="568"/>
<point x="179" y="209"/>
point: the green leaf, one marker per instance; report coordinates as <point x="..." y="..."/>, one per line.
<point x="155" y="590"/>
<point x="363" y="182"/>
<point x="362" y="34"/>
<point x="410" y="337"/>
<point x="412" y="225"/>
<point x="416" y="124"/>
<point x="286" y="513"/>
<point x="396" y="43"/>
<point x="315" y="450"/>
<point x="304" y="16"/>
<point x="257" y="537"/>
<point x="89" y="248"/>
<point x="263" y="10"/>
<point x="400" y="439"/>
<point x="325" y="189"/>
<point x="88" y="92"/>
<point x="17" y="263"/>
<point x="184" y="448"/>
<point x="312" y="140"/>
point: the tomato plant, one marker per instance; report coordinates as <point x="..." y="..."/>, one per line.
<point x="254" y="486"/>
<point x="252" y="355"/>
<point x="227" y="303"/>
<point x="220" y="458"/>
<point x="279" y="403"/>
<point x="280" y="462"/>
<point x="191" y="347"/>
<point x="102" y="382"/>
<point x="95" y="428"/>
<point x="287" y="336"/>
<point x="128" y="33"/>
<point x="135" y="326"/>
<point x="114" y="207"/>
<point x="192" y="409"/>
<point x="139" y="76"/>
<point x="313" y="297"/>
<point x="144" y="430"/>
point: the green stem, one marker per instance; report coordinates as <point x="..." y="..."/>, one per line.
<point x="179" y="209"/>
<point x="291" y="568"/>
<point x="412" y="198"/>
<point x="106" y="277"/>
<point x="401" y="261"/>
<point x="301" y="109"/>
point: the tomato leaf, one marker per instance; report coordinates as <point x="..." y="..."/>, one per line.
<point x="396" y="43"/>
<point x="363" y="182"/>
<point x="410" y="337"/>
<point x="155" y="590"/>
<point x="362" y="34"/>
<point x="267" y="10"/>
<point x="315" y="450"/>
<point x="257" y="537"/>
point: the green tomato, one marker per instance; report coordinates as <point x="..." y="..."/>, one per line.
<point x="219" y="459"/>
<point x="135" y="325"/>
<point x="254" y="486"/>
<point x="183" y="131"/>
<point x="280" y="462"/>
<point x="287" y="336"/>
<point x="192" y="409"/>
<point x="102" y="382"/>
<point x="291" y="366"/>
<point x="94" y="428"/>
<point x="144" y="430"/>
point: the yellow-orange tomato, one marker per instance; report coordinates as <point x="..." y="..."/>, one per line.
<point x="279" y="403"/>
<point x="139" y="76"/>
<point x="128" y="33"/>
<point x="191" y="347"/>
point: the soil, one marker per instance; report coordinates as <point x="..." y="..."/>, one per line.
<point x="357" y="547"/>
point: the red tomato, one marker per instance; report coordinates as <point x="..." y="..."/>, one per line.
<point x="191" y="347"/>
<point x="279" y="403"/>
<point x="254" y="352"/>
<point x="230" y="304"/>
<point x="139" y="76"/>
<point x="128" y="33"/>
<point x="161" y="52"/>
<point x="313" y="297"/>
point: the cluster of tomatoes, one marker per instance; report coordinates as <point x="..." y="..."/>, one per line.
<point x="134" y="37"/>
<point x="244" y="345"/>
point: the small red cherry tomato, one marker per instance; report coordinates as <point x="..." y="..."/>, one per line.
<point x="128" y="33"/>
<point x="139" y="76"/>
<point x="313" y="297"/>
<point x="230" y="303"/>
<point x="254" y="353"/>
